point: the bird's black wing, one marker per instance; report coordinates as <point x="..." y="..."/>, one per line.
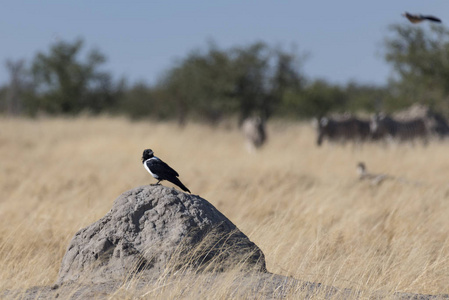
<point x="160" y="168"/>
<point x="165" y="172"/>
<point x="432" y="18"/>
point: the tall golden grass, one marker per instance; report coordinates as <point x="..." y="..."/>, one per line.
<point x="302" y="205"/>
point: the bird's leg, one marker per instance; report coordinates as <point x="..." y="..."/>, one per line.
<point x="157" y="183"/>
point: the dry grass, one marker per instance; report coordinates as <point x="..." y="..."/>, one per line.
<point x="301" y="204"/>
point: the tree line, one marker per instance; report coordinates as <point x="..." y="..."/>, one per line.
<point x="211" y="84"/>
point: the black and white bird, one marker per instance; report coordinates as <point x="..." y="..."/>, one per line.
<point x="419" y="18"/>
<point x="160" y="170"/>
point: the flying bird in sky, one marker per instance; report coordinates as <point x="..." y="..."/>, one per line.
<point x="419" y="18"/>
<point x="160" y="170"/>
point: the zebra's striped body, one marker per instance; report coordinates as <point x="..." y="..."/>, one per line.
<point x="385" y="127"/>
<point x="347" y="129"/>
<point x="437" y="125"/>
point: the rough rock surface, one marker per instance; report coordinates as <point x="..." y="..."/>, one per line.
<point x="155" y="229"/>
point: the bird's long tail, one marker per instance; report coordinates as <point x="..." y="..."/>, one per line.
<point x="432" y="18"/>
<point x="178" y="182"/>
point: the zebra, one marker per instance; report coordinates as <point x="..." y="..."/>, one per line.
<point x="346" y="129"/>
<point x="437" y="124"/>
<point x="254" y="130"/>
<point x="384" y="127"/>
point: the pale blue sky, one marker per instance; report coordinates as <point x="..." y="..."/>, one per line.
<point x="141" y="39"/>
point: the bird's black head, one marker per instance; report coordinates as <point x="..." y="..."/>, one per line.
<point x="147" y="154"/>
<point x="361" y="168"/>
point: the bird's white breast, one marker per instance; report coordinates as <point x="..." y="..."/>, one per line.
<point x="148" y="169"/>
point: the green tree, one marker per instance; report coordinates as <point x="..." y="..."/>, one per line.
<point x="19" y="92"/>
<point x="320" y="98"/>
<point x="287" y="80"/>
<point x="199" y="86"/>
<point x="142" y="101"/>
<point x="238" y="81"/>
<point x="250" y="80"/>
<point x="67" y="84"/>
<point x="420" y="60"/>
<point x="365" y="98"/>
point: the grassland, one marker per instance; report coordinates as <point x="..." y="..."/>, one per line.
<point x="302" y="205"/>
